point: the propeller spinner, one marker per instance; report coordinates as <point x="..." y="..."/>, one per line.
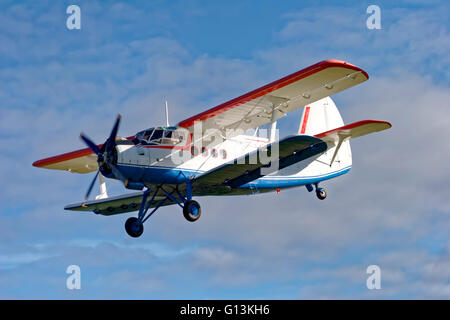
<point x="105" y="156"/>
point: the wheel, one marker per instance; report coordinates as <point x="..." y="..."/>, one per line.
<point x="192" y="210"/>
<point x="133" y="227"/>
<point x="321" y="193"/>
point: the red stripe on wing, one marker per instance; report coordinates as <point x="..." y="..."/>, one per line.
<point x="63" y="157"/>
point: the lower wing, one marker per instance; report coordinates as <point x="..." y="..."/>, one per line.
<point x="116" y="205"/>
<point x="259" y="163"/>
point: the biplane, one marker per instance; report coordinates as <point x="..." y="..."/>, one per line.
<point x="221" y="151"/>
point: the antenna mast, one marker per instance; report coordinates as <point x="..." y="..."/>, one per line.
<point x="167" y="115"/>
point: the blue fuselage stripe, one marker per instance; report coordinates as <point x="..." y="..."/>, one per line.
<point x="171" y="175"/>
<point x="272" y="182"/>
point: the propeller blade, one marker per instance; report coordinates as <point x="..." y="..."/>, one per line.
<point x="90" y="144"/>
<point x="111" y="142"/>
<point x="86" y="197"/>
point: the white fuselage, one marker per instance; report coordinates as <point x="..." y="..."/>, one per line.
<point x="157" y="164"/>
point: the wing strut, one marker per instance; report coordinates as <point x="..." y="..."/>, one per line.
<point x="103" y="192"/>
<point x="341" y="139"/>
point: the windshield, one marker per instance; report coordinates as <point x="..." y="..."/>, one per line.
<point x="156" y="136"/>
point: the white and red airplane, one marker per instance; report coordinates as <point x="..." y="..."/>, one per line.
<point x="211" y="154"/>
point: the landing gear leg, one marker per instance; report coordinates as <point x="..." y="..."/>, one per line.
<point x="135" y="226"/>
<point x="191" y="208"/>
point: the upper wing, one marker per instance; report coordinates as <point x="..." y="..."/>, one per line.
<point x="291" y="149"/>
<point x="273" y="101"/>
<point x="80" y="161"/>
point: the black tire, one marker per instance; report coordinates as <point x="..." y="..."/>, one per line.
<point x="192" y="210"/>
<point x="321" y="194"/>
<point x="133" y="227"/>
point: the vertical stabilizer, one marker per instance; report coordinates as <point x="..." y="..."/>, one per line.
<point x="319" y="117"/>
<point x="322" y="116"/>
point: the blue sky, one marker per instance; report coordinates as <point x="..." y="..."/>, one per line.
<point x="392" y="209"/>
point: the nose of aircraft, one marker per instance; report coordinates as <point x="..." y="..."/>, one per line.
<point x="106" y="156"/>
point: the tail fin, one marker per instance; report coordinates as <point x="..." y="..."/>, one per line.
<point x="322" y="116"/>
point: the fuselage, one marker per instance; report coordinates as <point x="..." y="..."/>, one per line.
<point x="167" y="162"/>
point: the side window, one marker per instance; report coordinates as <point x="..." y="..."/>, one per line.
<point x="204" y="152"/>
<point x="214" y="153"/>
<point x="171" y="137"/>
<point x="223" y="153"/>
<point x="177" y="137"/>
<point x="194" y="151"/>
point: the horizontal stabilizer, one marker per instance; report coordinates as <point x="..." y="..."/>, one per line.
<point x="336" y="137"/>
<point x="353" y="130"/>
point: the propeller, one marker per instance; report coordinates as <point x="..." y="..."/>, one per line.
<point x="105" y="156"/>
<point x="91" y="144"/>
<point x="86" y="197"/>
<point x="111" y="142"/>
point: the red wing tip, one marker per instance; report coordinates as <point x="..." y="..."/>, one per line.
<point x="36" y="164"/>
<point x="40" y="163"/>
<point x="379" y="121"/>
<point x="345" y="64"/>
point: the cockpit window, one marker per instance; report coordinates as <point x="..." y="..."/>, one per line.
<point x="156" y="136"/>
<point x="160" y="135"/>
<point x="147" y="134"/>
